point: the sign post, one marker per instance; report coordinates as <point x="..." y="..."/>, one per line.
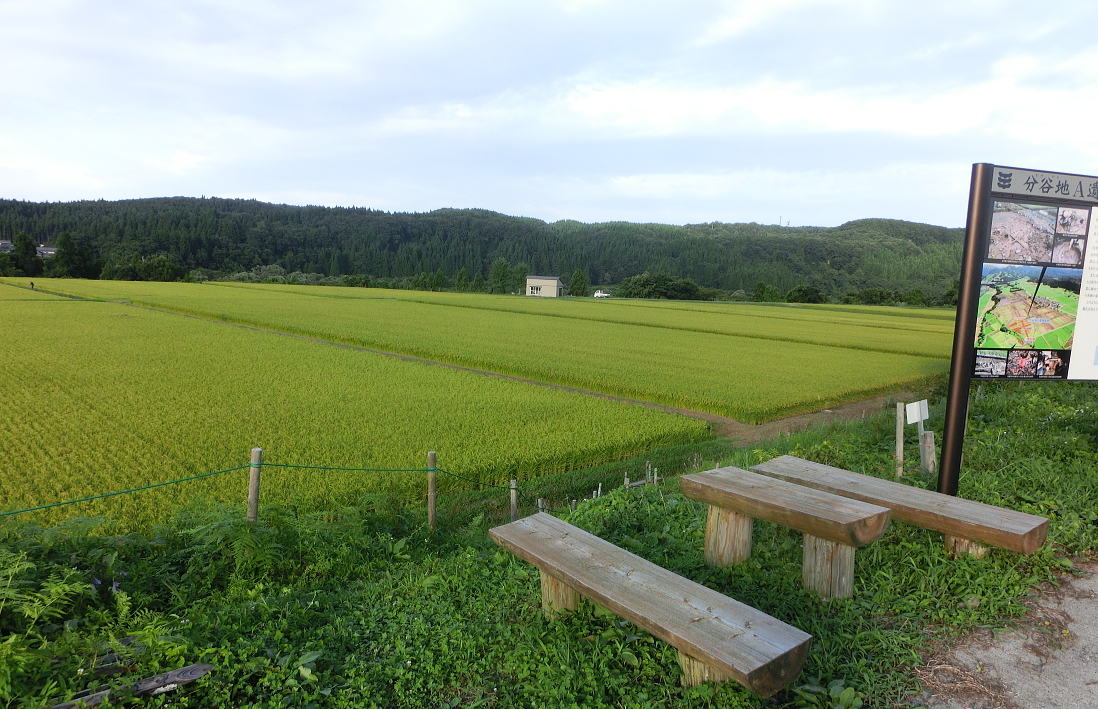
<point x="1027" y="305"/>
<point x="917" y="412"/>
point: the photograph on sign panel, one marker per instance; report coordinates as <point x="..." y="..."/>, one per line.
<point x="1021" y="363"/>
<point x="1053" y="364"/>
<point x="1030" y="307"/>
<point x="1021" y="233"/>
<point x="990" y="363"/>
<point x="1072" y="220"/>
<point x="1069" y="250"/>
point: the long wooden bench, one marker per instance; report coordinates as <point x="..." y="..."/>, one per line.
<point x="718" y="638"/>
<point x="833" y="526"/>
<point x="967" y="524"/>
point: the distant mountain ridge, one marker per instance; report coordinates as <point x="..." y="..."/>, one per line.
<point x="232" y="235"/>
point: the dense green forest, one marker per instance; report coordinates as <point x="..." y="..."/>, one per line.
<point x="174" y="236"/>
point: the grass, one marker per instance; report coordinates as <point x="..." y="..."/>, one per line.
<point x="752" y="363"/>
<point x="102" y="397"/>
<point x="362" y="606"/>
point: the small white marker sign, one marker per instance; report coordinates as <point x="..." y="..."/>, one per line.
<point x="917" y="411"/>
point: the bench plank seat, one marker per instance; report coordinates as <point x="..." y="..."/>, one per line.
<point x="740" y="642"/>
<point x="835" y="518"/>
<point x="953" y="516"/>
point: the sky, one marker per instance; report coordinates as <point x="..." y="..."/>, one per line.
<point x="811" y="112"/>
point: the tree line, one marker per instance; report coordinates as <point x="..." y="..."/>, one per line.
<point x="178" y="238"/>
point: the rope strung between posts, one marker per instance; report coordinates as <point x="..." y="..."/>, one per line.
<point x="254" y="465"/>
<point x="475" y="482"/>
<point x="329" y="467"/>
<point x="122" y="492"/>
<point x="498" y="487"/>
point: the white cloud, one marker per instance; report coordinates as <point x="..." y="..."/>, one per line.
<point x="793" y="185"/>
<point x="539" y="108"/>
<point x="743" y="16"/>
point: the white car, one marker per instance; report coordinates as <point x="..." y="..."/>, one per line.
<point x="601" y="294"/>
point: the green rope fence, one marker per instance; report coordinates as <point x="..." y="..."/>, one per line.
<point x="329" y="467"/>
<point x="122" y="492"/>
<point x="254" y="465"/>
<point x="475" y="482"/>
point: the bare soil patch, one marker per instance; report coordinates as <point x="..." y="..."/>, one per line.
<point x="1049" y="660"/>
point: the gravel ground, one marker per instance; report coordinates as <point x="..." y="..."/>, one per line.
<point x="1050" y="662"/>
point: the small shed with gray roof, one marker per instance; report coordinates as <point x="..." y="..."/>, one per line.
<point x="544" y="286"/>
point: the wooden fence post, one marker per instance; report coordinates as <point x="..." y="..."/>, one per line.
<point x="432" y="489"/>
<point x="927" y="455"/>
<point x="899" y="439"/>
<point x="253" y="484"/>
<point x="514" y="500"/>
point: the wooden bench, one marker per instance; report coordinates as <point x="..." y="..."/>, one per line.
<point x="833" y="526"/>
<point x="718" y="638"/>
<point x="966" y="524"/>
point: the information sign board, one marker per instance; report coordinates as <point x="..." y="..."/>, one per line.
<point x="1027" y="306"/>
<point x="918" y="411"/>
<point x="1038" y="294"/>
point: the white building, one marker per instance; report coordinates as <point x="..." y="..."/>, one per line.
<point x="544" y="286"/>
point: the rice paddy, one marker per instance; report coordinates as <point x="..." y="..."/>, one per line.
<point x="753" y="362"/>
<point x="102" y="396"/>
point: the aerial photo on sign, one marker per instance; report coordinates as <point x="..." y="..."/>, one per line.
<point x="1028" y="307"/>
<point x="1022" y="233"/>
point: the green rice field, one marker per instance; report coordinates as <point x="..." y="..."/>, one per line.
<point x="103" y="396"/>
<point x="753" y="362"/>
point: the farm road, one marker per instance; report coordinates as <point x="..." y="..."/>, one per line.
<point x="743" y="434"/>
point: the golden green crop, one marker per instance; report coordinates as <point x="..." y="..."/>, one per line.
<point x="102" y="396"/>
<point x="736" y="363"/>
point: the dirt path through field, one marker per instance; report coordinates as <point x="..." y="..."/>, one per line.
<point x="743" y="434"/>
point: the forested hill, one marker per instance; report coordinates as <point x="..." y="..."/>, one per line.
<point x="235" y="235"/>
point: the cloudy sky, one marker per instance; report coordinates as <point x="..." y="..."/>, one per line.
<point x="809" y="111"/>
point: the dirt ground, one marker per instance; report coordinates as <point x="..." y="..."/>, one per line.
<point x="1050" y="661"/>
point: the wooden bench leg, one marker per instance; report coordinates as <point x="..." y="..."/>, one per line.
<point x="556" y="596"/>
<point x="727" y="537"/>
<point x="957" y="546"/>
<point x="828" y="568"/>
<point x="695" y="672"/>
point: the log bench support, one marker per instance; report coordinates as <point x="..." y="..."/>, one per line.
<point x="695" y="672"/>
<point x="827" y="567"/>
<point x="958" y="546"/>
<point x="833" y="526"/>
<point x="557" y="597"/>
<point x="717" y="637"/>
<point x="727" y="537"/>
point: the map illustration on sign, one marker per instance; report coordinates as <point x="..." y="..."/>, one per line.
<point x="1030" y="307"/>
